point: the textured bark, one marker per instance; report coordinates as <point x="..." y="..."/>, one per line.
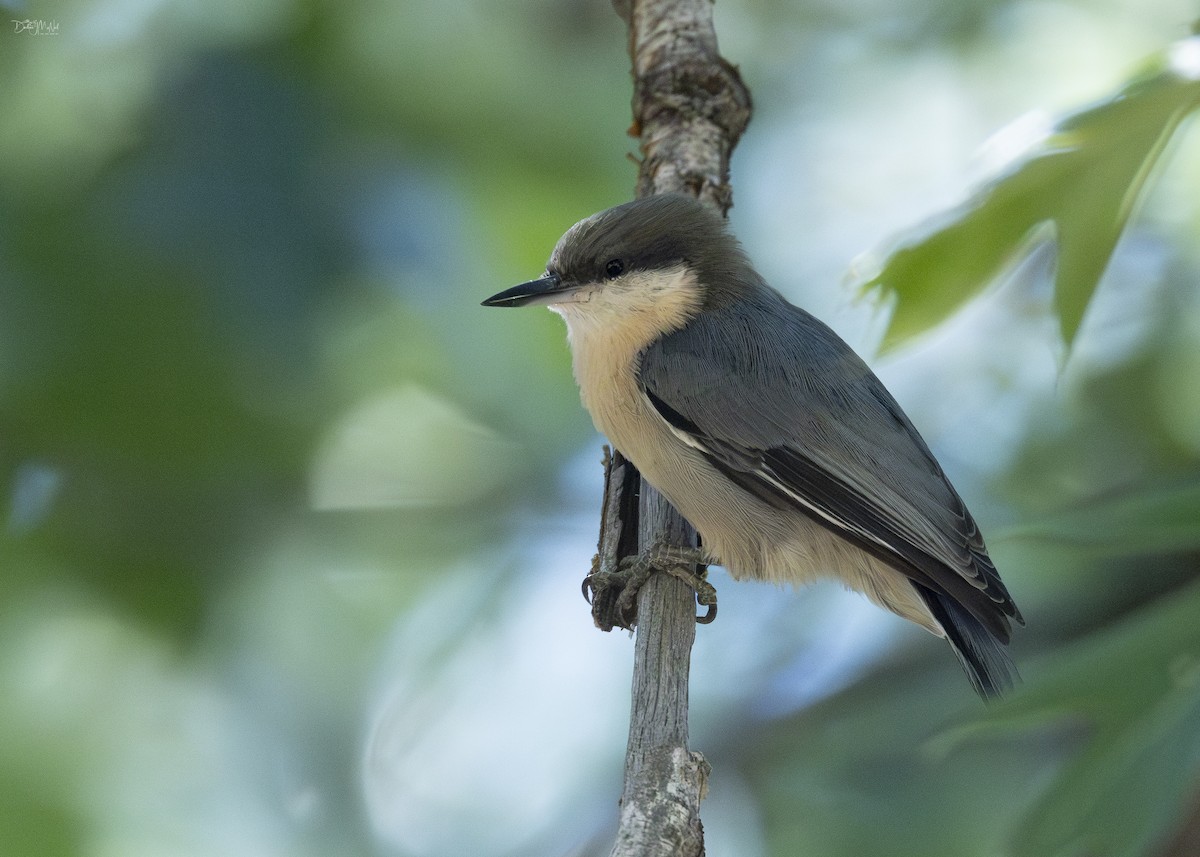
<point x="690" y="107"/>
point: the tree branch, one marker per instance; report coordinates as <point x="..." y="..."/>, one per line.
<point x="690" y="107"/>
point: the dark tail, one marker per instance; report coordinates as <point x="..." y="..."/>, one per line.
<point x="980" y="652"/>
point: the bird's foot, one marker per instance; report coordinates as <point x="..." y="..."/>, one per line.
<point x="613" y="595"/>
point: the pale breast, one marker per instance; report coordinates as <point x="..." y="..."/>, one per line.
<point x="747" y="537"/>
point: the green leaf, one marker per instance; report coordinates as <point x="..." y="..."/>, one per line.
<point x="1080" y="185"/>
<point x="1156" y="520"/>
<point x="1132" y="694"/>
<point x="1123" y="797"/>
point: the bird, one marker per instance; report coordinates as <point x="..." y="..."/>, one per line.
<point x="767" y="432"/>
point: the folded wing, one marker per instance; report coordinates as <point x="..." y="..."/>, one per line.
<point x="751" y="386"/>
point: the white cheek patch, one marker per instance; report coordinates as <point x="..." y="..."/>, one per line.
<point x="665" y="295"/>
<point x="633" y="310"/>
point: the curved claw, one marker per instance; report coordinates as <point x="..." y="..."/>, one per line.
<point x="586" y="589"/>
<point x="709" y="615"/>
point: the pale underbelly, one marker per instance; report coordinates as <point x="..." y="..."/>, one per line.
<point x="754" y="540"/>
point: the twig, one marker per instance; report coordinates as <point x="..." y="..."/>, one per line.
<point x="690" y="107"/>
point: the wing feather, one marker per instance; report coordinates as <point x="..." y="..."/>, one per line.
<point x="748" y="384"/>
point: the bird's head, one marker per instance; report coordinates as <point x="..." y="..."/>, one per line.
<point x="653" y="262"/>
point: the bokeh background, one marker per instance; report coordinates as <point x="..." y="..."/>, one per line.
<point x="292" y="530"/>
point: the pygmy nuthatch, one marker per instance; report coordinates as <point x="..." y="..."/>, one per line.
<point x="763" y="428"/>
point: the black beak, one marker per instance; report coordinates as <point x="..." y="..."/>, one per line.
<point x="534" y="292"/>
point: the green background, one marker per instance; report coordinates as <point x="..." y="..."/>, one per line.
<point x="292" y="530"/>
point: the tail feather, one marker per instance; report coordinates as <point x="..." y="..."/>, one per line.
<point x="982" y="655"/>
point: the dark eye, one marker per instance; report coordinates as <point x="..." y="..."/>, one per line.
<point x="614" y="268"/>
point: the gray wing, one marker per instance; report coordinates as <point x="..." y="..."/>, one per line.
<point x="749" y="384"/>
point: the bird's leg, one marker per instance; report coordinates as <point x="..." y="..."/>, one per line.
<point x="689" y="565"/>
<point x="613" y="595"/>
<point x="606" y="592"/>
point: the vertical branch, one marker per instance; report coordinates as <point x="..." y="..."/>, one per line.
<point x="690" y="107"/>
<point x="664" y="781"/>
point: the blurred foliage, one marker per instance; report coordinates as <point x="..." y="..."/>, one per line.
<point x="293" y="530"/>
<point x="1084" y="176"/>
<point x="1000" y="783"/>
